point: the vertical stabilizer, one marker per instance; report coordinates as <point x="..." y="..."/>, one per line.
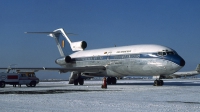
<point x="64" y="44"/>
<point x="198" y="68"/>
<point x="62" y="41"/>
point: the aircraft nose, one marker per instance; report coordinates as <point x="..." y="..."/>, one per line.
<point x="182" y="62"/>
<point x="178" y="60"/>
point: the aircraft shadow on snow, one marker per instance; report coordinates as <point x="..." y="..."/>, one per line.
<point x="166" y="83"/>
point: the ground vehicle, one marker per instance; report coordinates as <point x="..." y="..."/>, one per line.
<point x="20" y="78"/>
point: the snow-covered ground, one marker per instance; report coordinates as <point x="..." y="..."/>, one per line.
<point x="177" y="95"/>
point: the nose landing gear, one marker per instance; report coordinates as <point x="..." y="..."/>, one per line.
<point x="111" y="80"/>
<point x="158" y="82"/>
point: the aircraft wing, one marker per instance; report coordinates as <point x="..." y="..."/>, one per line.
<point x="61" y="70"/>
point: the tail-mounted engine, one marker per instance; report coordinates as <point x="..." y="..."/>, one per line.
<point x="64" y="60"/>
<point x="78" y="46"/>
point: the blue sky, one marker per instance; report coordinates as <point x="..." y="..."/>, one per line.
<point x="101" y="23"/>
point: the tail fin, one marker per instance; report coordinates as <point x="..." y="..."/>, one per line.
<point x="62" y="41"/>
<point x="64" y="44"/>
<point x="198" y="68"/>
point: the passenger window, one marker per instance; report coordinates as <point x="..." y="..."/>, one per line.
<point x="164" y="53"/>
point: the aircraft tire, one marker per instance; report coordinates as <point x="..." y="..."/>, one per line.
<point x="161" y="82"/>
<point x="158" y="83"/>
<point x="109" y="80"/>
<point x="81" y="81"/>
<point x="76" y="82"/>
<point x="113" y="80"/>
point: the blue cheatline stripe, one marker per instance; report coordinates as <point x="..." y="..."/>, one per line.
<point x="108" y="57"/>
<point x="171" y="57"/>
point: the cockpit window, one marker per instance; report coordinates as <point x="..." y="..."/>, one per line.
<point x="160" y="53"/>
<point x="165" y="53"/>
<point x="170" y="53"/>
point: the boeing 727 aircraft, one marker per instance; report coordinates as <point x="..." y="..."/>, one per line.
<point x="143" y="60"/>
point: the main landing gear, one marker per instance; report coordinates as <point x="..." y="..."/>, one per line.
<point x="79" y="81"/>
<point x="158" y="82"/>
<point x="111" y="80"/>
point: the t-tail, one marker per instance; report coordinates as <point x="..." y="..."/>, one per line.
<point x="198" y="68"/>
<point x="64" y="44"/>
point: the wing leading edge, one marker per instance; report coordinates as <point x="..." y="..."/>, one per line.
<point x="94" y="69"/>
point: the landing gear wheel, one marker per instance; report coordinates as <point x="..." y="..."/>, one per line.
<point x="76" y="82"/>
<point x="81" y="81"/>
<point x="161" y="82"/>
<point x="109" y="80"/>
<point x="113" y="80"/>
<point x="158" y="83"/>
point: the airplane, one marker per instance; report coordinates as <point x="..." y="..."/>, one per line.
<point x="188" y="73"/>
<point x="139" y="60"/>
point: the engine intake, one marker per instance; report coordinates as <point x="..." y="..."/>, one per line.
<point x="78" y="46"/>
<point x="64" y="60"/>
<point x="67" y="59"/>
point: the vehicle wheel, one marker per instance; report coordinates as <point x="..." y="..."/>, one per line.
<point x="2" y="84"/>
<point x="33" y="83"/>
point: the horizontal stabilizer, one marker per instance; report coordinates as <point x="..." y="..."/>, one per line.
<point x="50" y="33"/>
<point x="64" y="44"/>
<point x="42" y="32"/>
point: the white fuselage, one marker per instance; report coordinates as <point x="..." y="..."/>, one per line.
<point x="147" y="60"/>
